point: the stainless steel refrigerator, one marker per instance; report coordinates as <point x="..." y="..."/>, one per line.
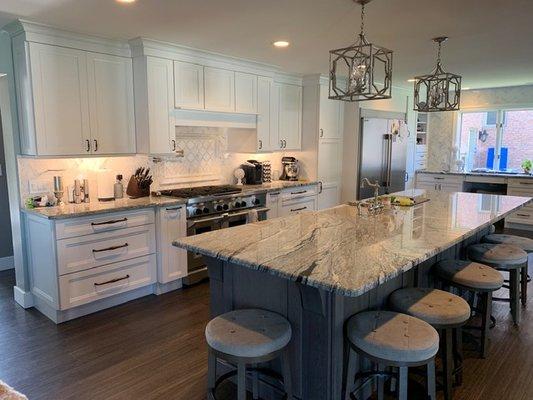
<point x="383" y="153"/>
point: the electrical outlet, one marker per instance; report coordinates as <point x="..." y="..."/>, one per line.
<point x="39" y="186"/>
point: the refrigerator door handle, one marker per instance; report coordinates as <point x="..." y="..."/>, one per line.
<point x="389" y="159"/>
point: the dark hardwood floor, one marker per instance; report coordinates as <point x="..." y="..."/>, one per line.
<point x="154" y="348"/>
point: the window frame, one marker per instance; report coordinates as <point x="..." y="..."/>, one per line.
<point x="500" y="124"/>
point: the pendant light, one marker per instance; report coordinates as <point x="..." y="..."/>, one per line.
<point x="362" y="71"/>
<point x="440" y="90"/>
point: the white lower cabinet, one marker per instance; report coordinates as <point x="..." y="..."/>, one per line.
<point x="440" y="182"/>
<point x="171" y="261"/>
<point x="298" y="206"/>
<point x="329" y="195"/>
<point x="76" y="261"/>
<point x="524" y="188"/>
<point x="98" y="283"/>
<point x="273" y="204"/>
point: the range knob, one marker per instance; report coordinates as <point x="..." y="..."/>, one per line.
<point x="197" y="212"/>
<point x="205" y="210"/>
<point x="237" y="204"/>
<point x="257" y="202"/>
<point x="219" y="207"/>
<point x="243" y="204"/>
<point x="225" y="207"/>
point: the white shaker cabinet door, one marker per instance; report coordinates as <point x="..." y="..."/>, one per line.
<point x="290" y="116"/>
<point x="160" y="85"/>
<point x="329" y="159"/>
<point x="59" y="85"/>
<point x="328" y="195"/>
<point x="245" y="93"/>
<point x="264" y="90"/>
<point x="188" y="85"/>
<point x="111" y="104"/>
<point x="219" y="85"/>
<point x="172" y="261"/>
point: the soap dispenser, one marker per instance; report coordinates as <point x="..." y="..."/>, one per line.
<point x="119" y="188"/>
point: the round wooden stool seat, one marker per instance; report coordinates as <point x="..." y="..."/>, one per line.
<point x="393" y="336"/>
<point x="436" y="307"/>
<point x="469" y="274"/>
<point x="524" y="243"/>
<point x="502" y="256"/>
<point x="248" y="333"/>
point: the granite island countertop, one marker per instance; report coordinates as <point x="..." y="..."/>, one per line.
<point x="97" y="207"/>
<point x="338" y="250"/>
<point x="473" y="173"/>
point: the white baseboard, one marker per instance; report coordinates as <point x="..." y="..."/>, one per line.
<point x="7" y="263"/>
<point x="25" y="299"/>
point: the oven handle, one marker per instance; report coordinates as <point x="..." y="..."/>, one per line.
<point x="190" y="224"/>
<point x="241" y="213"/>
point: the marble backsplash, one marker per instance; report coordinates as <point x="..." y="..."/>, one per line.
<point x="206" y="160"/>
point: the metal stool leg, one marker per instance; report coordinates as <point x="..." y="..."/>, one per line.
<point x="523" y="281"/>
<point x="514" y="283"/>
<point x="447" y="362"/>
<point x="287" y="379"/>
<point x="402" y="387"/>
<point x="381" y="383"/>
<point x="211" y="373"/>
<point x="349" y="370"/>
<point x="241" y="381"/>
<point x="486" y="304"/>
<point x="458" y="356"/>
<point x="431" y="386"/>
<point x="255" y="384"/>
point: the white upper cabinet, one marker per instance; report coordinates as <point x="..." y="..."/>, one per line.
<point x="159" y="107"/>
<point x="245" y="93"/>
<point x="331" y="115"/>
<point x="219" y="86"/>
<point x="73" y="102"/>
<point x="264" y="89"/>
<point x="60" y="99"/>
<point x="188" y="85"/>
<point x="111" y="106"/>
<point x="290" y="117"/>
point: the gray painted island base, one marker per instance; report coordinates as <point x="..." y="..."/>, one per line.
<point x="317" y="317"/>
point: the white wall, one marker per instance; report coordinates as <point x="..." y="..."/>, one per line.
<point x="442" y="125"/>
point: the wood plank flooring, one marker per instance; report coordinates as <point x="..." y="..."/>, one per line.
<point x="154" y="348"/>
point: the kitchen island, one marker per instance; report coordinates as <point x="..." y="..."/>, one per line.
<point x="319" y="268"/>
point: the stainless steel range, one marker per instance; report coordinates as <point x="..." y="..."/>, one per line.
<point x="215" y="207"/>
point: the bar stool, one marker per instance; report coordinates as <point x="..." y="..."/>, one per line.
<point x="389" y="339"/>
<point x="476" y="278"/>
<point x="525" y="244"/>
<point x="245" y="338"/>
<point x="503" y="257"/>
<point x="444" y="311"/>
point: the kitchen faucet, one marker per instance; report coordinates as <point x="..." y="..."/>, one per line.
<point x="376" y="203"/>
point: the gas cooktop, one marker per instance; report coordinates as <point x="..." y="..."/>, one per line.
<point x="200" y="191"/>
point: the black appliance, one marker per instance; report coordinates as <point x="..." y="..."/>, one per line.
<point x="253" y="172"/>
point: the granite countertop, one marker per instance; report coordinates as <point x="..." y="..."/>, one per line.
<point x="487" y="174"/>
<point x="338" y="250"/>
<point x="96" y="207"/>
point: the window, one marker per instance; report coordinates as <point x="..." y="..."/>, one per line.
<point x="496" y="140"/>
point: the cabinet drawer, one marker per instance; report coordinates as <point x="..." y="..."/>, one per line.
<point x="522" y="216"/>
<point x="421" y="165"/>
<point x="102" y="223"/>
<point x="98" y="283"/>
<point x="85" y="252"/>
<point x="295" y="207"/>
<point x="421" y="156"/>
<point x="440" y="178"/>
<point x="521" y="184"/>
<point x="298" y="192"/>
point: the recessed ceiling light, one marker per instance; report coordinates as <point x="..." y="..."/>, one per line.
<point x="126" y="1"/>
<point x="411" y="80"/>
<point x="281" y="43"/>
<point x="466" y="88"/>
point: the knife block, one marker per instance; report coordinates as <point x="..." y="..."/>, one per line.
<point x="134" y="191"/>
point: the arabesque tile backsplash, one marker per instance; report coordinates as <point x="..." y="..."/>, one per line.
<point x="205" y="161"/>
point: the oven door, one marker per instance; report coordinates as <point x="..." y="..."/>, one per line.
<point x="196" y="227"/>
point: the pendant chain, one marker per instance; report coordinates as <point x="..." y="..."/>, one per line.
<point x="362" y="33"/>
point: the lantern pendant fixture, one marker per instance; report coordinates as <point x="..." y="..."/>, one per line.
<point x="362" y="71"/>
<point x="440" y="90"/>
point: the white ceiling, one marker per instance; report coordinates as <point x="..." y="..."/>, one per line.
<point x="491" y="41"/>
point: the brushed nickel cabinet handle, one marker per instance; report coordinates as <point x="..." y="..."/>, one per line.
<point x="111" y="248"/>
<point x="298" y="209"/>
<point x="88" y="148"/>
<point x="112" y="281"/>
<point x="438" y="177"/>
<point x="321" y="132"/>
<point x="173" y="145"/>
<point x="526" y="183"/>
<point x="174" y="208"/>
<point x="260" y="144"/>
<point x="320" y="187"/>
<point x="95" y="145"/>
<point x="300" y="192"/>
<point x="113" y="221"/>
<point x="523" y="215"/>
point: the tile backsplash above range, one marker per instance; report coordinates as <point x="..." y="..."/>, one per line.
<point x="210" y="156"/>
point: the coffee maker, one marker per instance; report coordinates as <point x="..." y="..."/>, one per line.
<point x="253" y="172"/>
<point x="290" y="169"/>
